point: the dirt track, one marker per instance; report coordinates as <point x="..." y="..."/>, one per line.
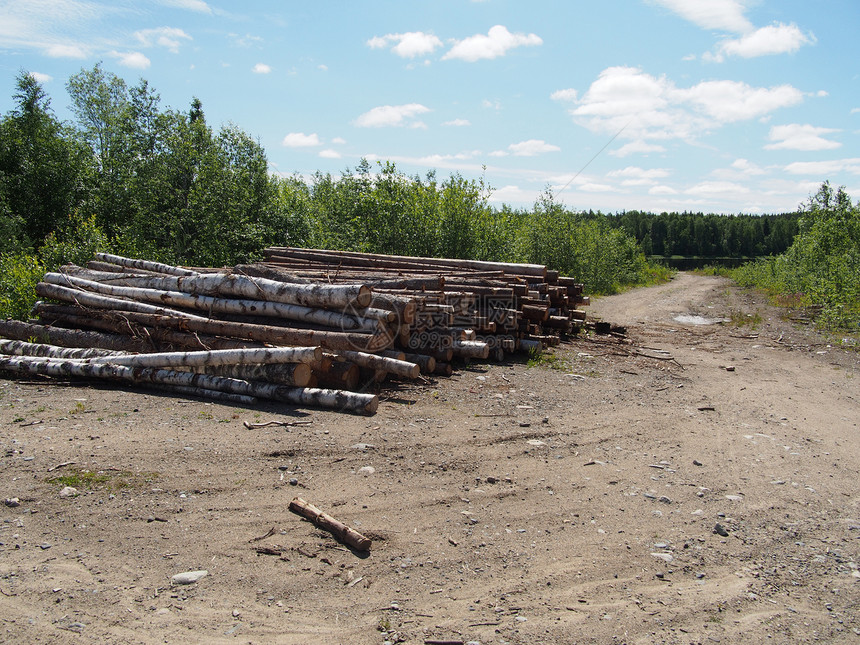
<point x="571" y="502"/>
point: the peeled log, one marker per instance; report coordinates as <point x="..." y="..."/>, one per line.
<point x="382" y="363"/>
<point x="340" y="530"/>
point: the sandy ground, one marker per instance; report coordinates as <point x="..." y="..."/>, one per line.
<point x="574" y="501"/>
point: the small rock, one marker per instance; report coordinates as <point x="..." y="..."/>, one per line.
<point x="283" y="467"/>
<point x="719" y="529"/>
<point x="366" y="470"/>
<point x="665" y="500"/>
<point x="294" y="481"/>
<point x="45" y="546"/>
<point x="666" y="557"/>
<point x="364" y="447"/>
<point x="696" y="462"/>
<point x="545" y="420"/>
<point x="235" y="613"/>
<point x="189" y="577"/>
<point x="12" y="502"/>
<point x="525" y="424"/>
<point x="492" y="480"/>
<point x="68" y="491"/>
<point x="735" y="498"/>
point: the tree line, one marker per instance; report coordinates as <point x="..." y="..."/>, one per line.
<point x="132" y="177"/>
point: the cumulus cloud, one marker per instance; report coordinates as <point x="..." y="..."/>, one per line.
<point x="41" y="78"/>
<point x="301" y="140"/>
<point x="662" y="190"/>
<point x="168" y="37"/>
<point x="721" y="15"/>
<point x="68" y="50"/>
<point x="134" y="60"/>
<point x="636" y="176"/>
<point x="191" y="5"/>
<point x="532" y="148"/>
<point x="824" y="168"/>
<point x="496" y="43"/>
<point x="407" y="45"/>
<point x="458" y="123"/>
<point x="636" y="147"/>
<point x="774" y="39"/>
<point x="716" y="188"/>
<point x="329" y="154"/>
<point x="645" y="108"/>
<point x="261" y="68"/>
<point x="392" y="116"/>
<point x="564" y="95"/>
<point x="795" y="136"/>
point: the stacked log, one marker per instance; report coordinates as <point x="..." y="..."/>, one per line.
<point x="459" y="304"/>
<point x="306" y="326"/>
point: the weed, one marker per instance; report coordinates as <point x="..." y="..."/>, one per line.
<point x="741" y="319"/>
<point x="549" y="360"/>
<point x="98" y="480"/>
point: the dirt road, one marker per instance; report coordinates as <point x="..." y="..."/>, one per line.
<point x="697" y="484"/>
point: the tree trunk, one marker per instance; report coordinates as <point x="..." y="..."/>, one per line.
<point x="146" y="265"/>
<point x="70" y="337"/>
<point x="254" y="356"/>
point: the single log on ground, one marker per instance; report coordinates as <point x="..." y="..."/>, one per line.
<point x="341" y="531"/>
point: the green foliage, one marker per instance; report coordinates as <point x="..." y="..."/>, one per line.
<point x="822" y="266"/>
<point x="19" y="274"/>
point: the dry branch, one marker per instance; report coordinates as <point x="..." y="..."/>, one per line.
<point x="341" y="531"/>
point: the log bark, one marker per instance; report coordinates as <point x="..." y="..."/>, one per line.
<point x="86" y="299"/>
<point x="382" y="363"/>
<point x="146" y="265"/>
<point x="22" y="348"/>
<point x="263" y="333"/>
<point x="233" y="285"/>
<point x="344" y="322"/>
<point x="17" y="330"/>
<point x="471" y="349"/>
<point x="354" y="402"/>
<point x="254" y="356"/>
<point x="341" y="531"/>
<point x="295" y="374"/>
<point x="341" y="375"/>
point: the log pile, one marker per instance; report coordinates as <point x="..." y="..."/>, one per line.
<point x="310" y="327"/>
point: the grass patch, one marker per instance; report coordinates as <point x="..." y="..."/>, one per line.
<point x="103" y="480"/>
<point x="549" y="360"/>
<point x="741" y="319"/>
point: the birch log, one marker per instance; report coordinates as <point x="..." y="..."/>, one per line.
<point x="254" y="356"/>
<point x="311" y="315"/>
<point x="146" y="265"/>
<point x="232" y="285"/>
<point x="382" y="363"/>
<point x="17" y="330"/>
<point x="355" y="402"/>
<point x="263" y="333"/>
<point x="23" y="348"/>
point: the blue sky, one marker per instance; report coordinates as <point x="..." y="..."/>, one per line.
<point x="707" y="105"/>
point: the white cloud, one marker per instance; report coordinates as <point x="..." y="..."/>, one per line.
<point x="564" y="95"/>
<point x="595" y="188"/>
<point x="662" y="190"/>
<point x="644" y="108"/>
<point x="41" y="78"/>
<point x="191" y="5"/>
<point x="635" y="176"/>
<point x="134" y="60"/>
<point x="721" y="15"/>
<point x="61" y="50"/>
<point x="301" y="140"/>
<point x="408" y="45"/>
<point x="392" y="116"/>
<point x="496" y="43"/>
<point x="636" y="147"/>
<point x="261" y="68"/>
<point x="795" y="136"/>
<point x="458" y="123"/>
<point x="746" y="166"/>
<point x="774" y="39"/>
<point x="824" y="168"/>
<point x="168" y="37"/>
<point x="491" y="105"/>
<point x="511" y="194"/>
<point x="716" y="189"/>
<point x="330" y="154"/>
<point x="246" y="41"/>
<point x="532" y="147"/>
<point x="338" y="140"/>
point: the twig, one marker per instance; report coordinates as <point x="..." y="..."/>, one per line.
<point x="65" y="463"/>
<point x="263" y="537"/>
<point x="254" y="426"/>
